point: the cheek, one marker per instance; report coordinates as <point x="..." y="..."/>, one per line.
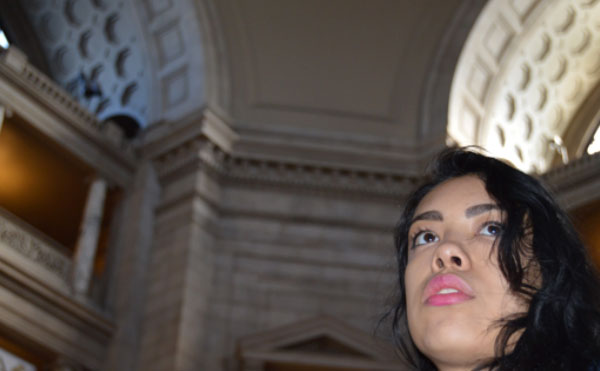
<point x="418" y="270"/>
<point x="411" y="279"/>
<point x="501" y="300"/>
<point x="410" y="292"/>
<point x="413" y="287"/>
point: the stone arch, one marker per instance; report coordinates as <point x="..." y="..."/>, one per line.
<point x="434" y="105"/>
<point x="188" y="57"/>
<point x="525" y="78"/>
<point x="128" y="124"/>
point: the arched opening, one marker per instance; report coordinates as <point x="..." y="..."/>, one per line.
<point x="594" y="145"/>
<point x="4" y="43"/>
<point x="128" y="124"/>
<point x="525" y="87"/>
<point x="41" y="183"/>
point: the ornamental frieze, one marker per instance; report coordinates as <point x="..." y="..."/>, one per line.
<point x="34" y="249"/>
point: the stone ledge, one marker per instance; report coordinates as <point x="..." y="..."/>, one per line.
<point x="576" y="183"/>
<point x="29" y="93"/>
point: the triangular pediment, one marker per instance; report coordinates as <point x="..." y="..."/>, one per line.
<point x="320" y="340"/>
<point x="325" y="344"/>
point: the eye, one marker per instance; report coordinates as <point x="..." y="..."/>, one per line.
<point x="424" y="237"/>
<point x="492" y="229"/>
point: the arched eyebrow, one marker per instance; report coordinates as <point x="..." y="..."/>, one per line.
<point x="480" y="209"/>
<point x="469" y="213"/>
<point x="428" y="215"/>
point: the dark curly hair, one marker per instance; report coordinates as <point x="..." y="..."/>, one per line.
<point x="561" y="329"/>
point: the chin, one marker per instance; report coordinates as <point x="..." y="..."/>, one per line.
<point x="455" y="344"/>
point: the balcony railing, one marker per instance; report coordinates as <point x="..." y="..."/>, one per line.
<point x="24" y="248"/>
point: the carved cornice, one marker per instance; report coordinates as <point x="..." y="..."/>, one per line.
<point x="200" y="140"/>
<point x="187" y="156"/>
<point x="40" y="101"/>
<point x="15" y="66"/>
<point x="578" y="182"/>
<point x="35" y="250"/>
<point x="199" y="151"/>
<point x="318" y="177"/>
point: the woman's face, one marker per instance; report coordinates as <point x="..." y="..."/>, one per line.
<point x="455" y="292"/>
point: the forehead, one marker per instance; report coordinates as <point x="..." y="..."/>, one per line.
<point x="458" y="192"/>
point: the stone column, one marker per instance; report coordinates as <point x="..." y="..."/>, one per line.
<point x="87" y="243"/>
<point x="130" y="269"/>
<point x="180" y="278"/>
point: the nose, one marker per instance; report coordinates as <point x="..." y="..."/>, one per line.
<point x="450" y="255"/>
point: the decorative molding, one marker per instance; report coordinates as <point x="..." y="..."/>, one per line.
<point x="186" y="156"/>
<point x="169" y="40"/>
<point x="203" y="136"/>
<point x="318" y="177"/>
<point x="157" y="7"/>
<point x="87" y="38"/>
<point x="202" y="150"/>
<point x="35" y="250"/>
<point x="434" y="107"/>
<point x="32" y="306"/>
<point x="176" y="87"/>
<point x="576" y="183"/>
<point x="39" y="84"/>
<point x="287" y="344"/>
<point x="40" y="101"/>
<point x="47" y="88"/>
<point x="217" y="58"/>
<point x="177" y="75"/>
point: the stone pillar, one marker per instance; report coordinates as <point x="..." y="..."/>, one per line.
<point x="87" y="243"/>
<point x="130" y="267"/>
<point x="180" y="273"/>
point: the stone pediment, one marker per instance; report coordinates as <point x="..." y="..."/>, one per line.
<point x="322" y="342"/>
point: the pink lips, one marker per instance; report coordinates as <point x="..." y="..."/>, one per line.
<point x="447" y="289"/>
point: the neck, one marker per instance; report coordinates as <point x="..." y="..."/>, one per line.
<point x="441" y="366"/>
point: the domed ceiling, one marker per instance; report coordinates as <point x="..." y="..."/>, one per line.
<point x="527" y="84"/>
<point x="366" y="80"/>
<point x="94" y="49"/>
